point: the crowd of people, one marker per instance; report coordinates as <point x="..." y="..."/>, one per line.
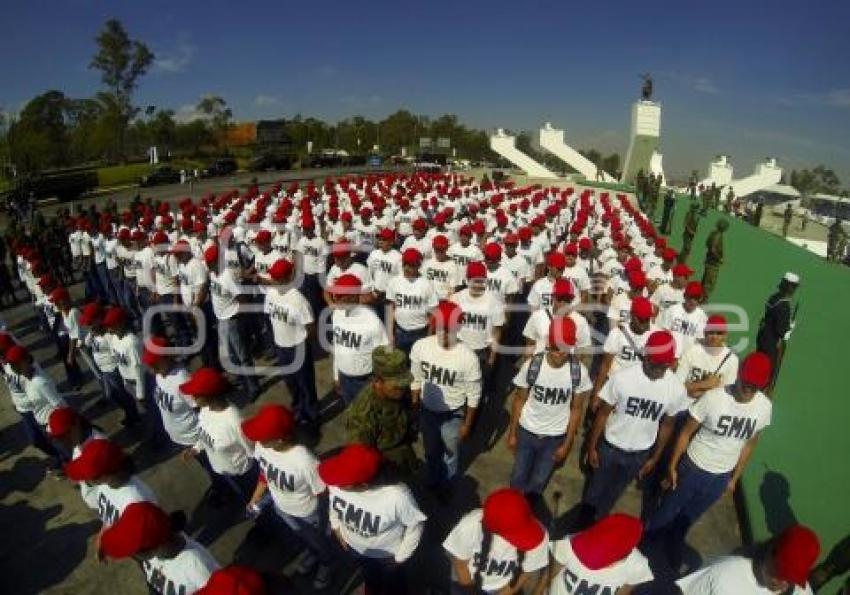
<point x="427" y="291"/>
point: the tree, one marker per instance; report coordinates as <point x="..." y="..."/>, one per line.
<point x="39" y="139"/>
<point x="820" y="179"/>
<point x="121" y="62"/>
<point x="219" y="115"/>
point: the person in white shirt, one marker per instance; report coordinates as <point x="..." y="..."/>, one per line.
<point x="312" y="252"/>
<point x="143" y="264"/>
<point x="540" y="294"/>
<point x="619" y="310"/>
<point x="73" y="432"/>
<point x="227" y="295"/>
<point x="709" y="363"/>
<point x="109" y="246"/>
<point x="171" y="561"/>
<point x="289" y="474"/>
<point x="193" y="276"/>
<point x="672" y="293"/>
<point x="576" y="273"/>
<point x="410" y="301"/>
<point x="500" y="281"/>
<point x="292" y="324"/>
<point x="447" y="386"/>
<point x="377" y="522"/>
<point x="517" y="264"/>
<point x="344" y="264"/>
<point x="536" y="330"/>
<point x="499" y="548"/>
<point x="441" y="270"/>
<point x="686" y="320"/>
<point x="420" y="239"/>
<point x="711" y="453"/>
<point x="465" y="251"/>
<point x="602" y="559"/>
<point x="383" y="263"/>
<point x="67" y="331"/>
<point x="548" y="403"/>
<point x="636" y="416"/>
<point x="228" y="452"/>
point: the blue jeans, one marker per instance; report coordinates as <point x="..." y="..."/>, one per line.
<point x="113" y="389"/>
<point x="404" y="339"/>
<point x="313" y="530"/>
<point x="381" y="576"/>
<point x="39" y="439"/>
<point x="107" y="292"/>
<point x="301" y="382"/>
<point x="239" y="353"/>
<point x="72" y="370"/>
<point x="696" y="490"/>
<point x="440" y="437"/>
<point x="115" y="285"/>
<point x="617" y="468"/>
<point x="533" y="462"/>
<point x="350" y="386"/>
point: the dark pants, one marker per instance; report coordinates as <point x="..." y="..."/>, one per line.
<point x="300" y="379"/>
<point x="38" y="438"/>
<point x="486" y="377"/>
<point x="107" y="292"/>
<point x="313" y="530"/>
<point x="617" y="468"/>
<point x="533" y="462"/>
<point x="312" y="291"/>
<point x="404" y="339"/>
<point x="695" y="492"/>
<point x="350" y="386"/>
<point x="72" y="369"/>
<point x="381" y="576"/>
<point x="440" y="430"/>
<point x="235" y="345"/>
<point x="113" y="389"/>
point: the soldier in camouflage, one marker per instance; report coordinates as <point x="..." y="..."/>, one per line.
<point x="713" y="256"/>
<point x="380" y="415"/>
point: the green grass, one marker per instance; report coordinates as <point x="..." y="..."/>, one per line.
<point x="799" y="470"/>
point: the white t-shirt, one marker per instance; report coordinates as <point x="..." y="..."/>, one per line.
<point x="725" y="427"/>
<point x="697" y="363"/>
<point x="639" y="406"/>
<point x="374" y="522"/>
<point x="686" y="326"/>
<point x="15" y="383"/>
<point x="221" y="438"/>
<point x="383" y="266"/>
<point x="481" y="316"/>
<point x="413" y="300"/>
<point x="143" y="263"/>
<point x="448" y="378"/>
<point x="575" y="577"/>
<point x="291" y="475"/>
<point x="547" y="410"/>
<point x="356" y="269"/>
<point x="185" y="573"/>
<point x="620" y="309"/>
<point x="444" y="275"/>
<point x="74" y="240"/>
<point x="356" y="333"/>
<point x="732" y="574"/>
<point x="166" y="274"/>
<point x="665" y="296"/>
<point x="110" y="247"/>
<point x="501" y="566"/>
<point x="540" y="294"/>
<point x="223" y="293"/>
<point x="41" y="396"/>
<point x="193" y="276"/>
<point x="179" y="416"/>
<point x="111" y="502"/>
<point x="579" y="278"/>
<point x="537" y="329"/>
<point x="128" y="355"/>
<point x="463" y="255"/>
<point x="314" y="252"/>
<point x="502" y="283"/>
<point x="617" y="344"/>
<point x="519" y="268"/>
<point x="289" y="313"/>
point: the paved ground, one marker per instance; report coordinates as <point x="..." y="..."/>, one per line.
<point x="48" y="530"/>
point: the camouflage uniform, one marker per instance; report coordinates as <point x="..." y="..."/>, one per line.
<point x="688" y="233"/>
<point x="713" y="256"/>
<point x="385" y="423"/>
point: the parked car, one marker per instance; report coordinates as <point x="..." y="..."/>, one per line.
<point x="161" y="175"/>
<point x="270" y="161"/>
<point x="221" y="167"/>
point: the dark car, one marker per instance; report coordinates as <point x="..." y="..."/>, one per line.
<point x="270" y="161"/>
<point x="221" y="167"/>
<point x="161" y="175"/>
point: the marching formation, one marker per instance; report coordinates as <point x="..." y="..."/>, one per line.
<point x="432" y="294"/>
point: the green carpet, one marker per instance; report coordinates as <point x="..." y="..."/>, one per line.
<point x="799" y="471"/>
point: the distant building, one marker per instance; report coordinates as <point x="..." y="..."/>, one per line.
<point x="273" y="133"/>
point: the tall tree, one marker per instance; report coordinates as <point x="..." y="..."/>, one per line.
<point x="122" y="62"/>
<point x="215" y="109"/>
<point x="39" y="139"/>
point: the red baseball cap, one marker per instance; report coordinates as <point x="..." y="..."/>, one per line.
<point x="60" y="294"/>
<point x="508" y="514"/>
<point x="16" y="354"/>
<point x="557" y="260"/>
<point x="152" y="354"/>
<point x="114" y="317"/>
<point x="206" y="382"/>
<point x="420" y="224"/>
<point x="386" y="234"/>
<point x="465" y="230"/>
<point x="795" y="553"/>
<point x="716" y="323"/>
<point x="347" y="285"/>
<point x="492" y="251"/>
<point x="668" y="255"/>
<point x="682" y="270"/>
<point x="90" y="313"/>
<point x="571" y="249"/>
<point x="756" y="369"/>
<point x="694" y="290"/>
<point x="264" y="236"/>
<point x="411" y="256"/>
<point x="45" y="280"/>
<point x="637" y="279"/>
<point x="272" y="422"/>
<point x="61" y="420"/>
<point x="661" y="348"/>
<point x="440" y="242"/>
<point x="99" y="457"/>
<point x="511" y="239"/>
<point x="525" y="233"/>
<point x="607" y="542"/>
<point x="476" y="270"/>
<point x="446" y="316"/>
<point x="633" y="263"/>
<point x="159" y="237"/>
<point x="585" y="243"/>
<point x="234" y="580"/>
<point x="142" y="526"/>
<point x="281" y="269"/>
<point x="562" y="332"/>
<point x="211" y="254"/>
<point x="563" y="289"/>
<point x="353" y="465"/>
<point x="641" y="308"/>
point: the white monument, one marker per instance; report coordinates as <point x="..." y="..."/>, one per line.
<point x="643" y="139"/>
<point x="719" y="172"/>
<point x="766" y="174"/>
<point x="552" y="139"/>
<point x="505" y="145"/>
<point x="655" y="166"/>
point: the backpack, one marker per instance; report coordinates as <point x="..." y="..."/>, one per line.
<point x="536" y="363"/>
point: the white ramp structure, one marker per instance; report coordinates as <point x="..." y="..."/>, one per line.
<point x="552" y="139"/>
<point x="656" y="168"/>
<point x="505" y="145"/>
<point x="766" y="174"/>
<point x="719" y="172"/>
<point x="643" y="139"/>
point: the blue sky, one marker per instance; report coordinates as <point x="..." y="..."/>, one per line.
<point x="746" y="78"/>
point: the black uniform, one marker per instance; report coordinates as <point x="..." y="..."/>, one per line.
<point x="774" y="324"/>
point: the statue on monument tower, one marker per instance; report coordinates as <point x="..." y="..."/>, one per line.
<point x="646" y="90"/>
